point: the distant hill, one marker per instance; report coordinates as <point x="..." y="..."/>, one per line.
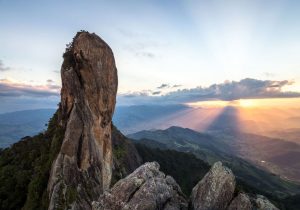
<point x="186" y="168"/>
<point x="288" y="134"/>
<point x="210" y="149"/>
<point x="130" y="119"/>
<point x="276" y="155"/>
<point x="16" y="125"/>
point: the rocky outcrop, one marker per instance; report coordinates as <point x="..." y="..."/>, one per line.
<point x="149" y="189"/>
<point x="262" y="203"/>
<point x="83" y="167"/>
<point x="241" y="201"/>
<point x="215" y="190"/>
<point x="146" y="188"/>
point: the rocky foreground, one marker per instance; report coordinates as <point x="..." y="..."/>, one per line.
<point x="148" y="188"/>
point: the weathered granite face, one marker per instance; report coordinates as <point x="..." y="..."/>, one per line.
<point x="145" y="189"/>
<point x="83" y="167"/>
<point x="215" y="190"/>
<point x="241" y="201"/>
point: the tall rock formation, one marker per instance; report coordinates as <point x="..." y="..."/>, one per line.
<point x="83" y="167"/>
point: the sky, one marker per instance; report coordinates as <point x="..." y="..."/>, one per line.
<point x="166" y="51"/>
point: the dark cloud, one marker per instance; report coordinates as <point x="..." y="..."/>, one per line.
<point x="14" y="89"/>
<point x="156" y="92"/>
<point x="50" y="81"/>
<point x="162" y="86"/>
<point x="244" y="89"/>
<point x="176" y="86"/>
<point x="3" y="67"/>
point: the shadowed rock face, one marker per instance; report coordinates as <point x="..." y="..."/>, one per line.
<point x="241" y="201"/>
<point x="215" y="190"/>
<point x="145" y="189"/>
<point x="83" y="168"/>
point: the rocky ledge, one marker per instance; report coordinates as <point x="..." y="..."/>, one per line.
<point x="147" y="188"/>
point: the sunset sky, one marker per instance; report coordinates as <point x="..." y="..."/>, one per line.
<point x="166" y="51"/>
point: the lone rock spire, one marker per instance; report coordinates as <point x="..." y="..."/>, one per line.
<point x="83" y="167"/>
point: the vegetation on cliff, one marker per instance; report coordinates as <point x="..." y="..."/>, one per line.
<point x="25" y="169"/>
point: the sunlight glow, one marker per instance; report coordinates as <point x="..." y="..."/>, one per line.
<point x="251" y="103"/>
<point x="264" y="116"/>
<point x="247" y="102"/>
<point x="211" y="104"/>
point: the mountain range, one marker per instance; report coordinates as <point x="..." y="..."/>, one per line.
<point x="211" y="149"/>
<point x="278" y="153"/>
<point x="79" y="160"/>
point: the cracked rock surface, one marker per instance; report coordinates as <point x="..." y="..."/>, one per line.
<point x="215" y="190"/>
<point x="241" y="201"/>
<point x="146" y="188"/>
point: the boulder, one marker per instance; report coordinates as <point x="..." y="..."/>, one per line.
<point x="146" y="188"/>
<point x="241" y="201"/>
<point x="215" y="190"/>
<point x="262" y="203"/>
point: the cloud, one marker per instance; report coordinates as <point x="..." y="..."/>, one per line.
<point x="3" y="67"/>
<point x="16" y="89"/>
<point x="139" y="44"/>
<point x="176" y="86"/>
<point x="162" y="86"/>
<point x="145" y="54"/>
<point x="229" y="90"/>
<point x="13" y="94"/>
<point x="141" y="49"/>
<point x="268" y="74"/>
<point x="156" y="92"/>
